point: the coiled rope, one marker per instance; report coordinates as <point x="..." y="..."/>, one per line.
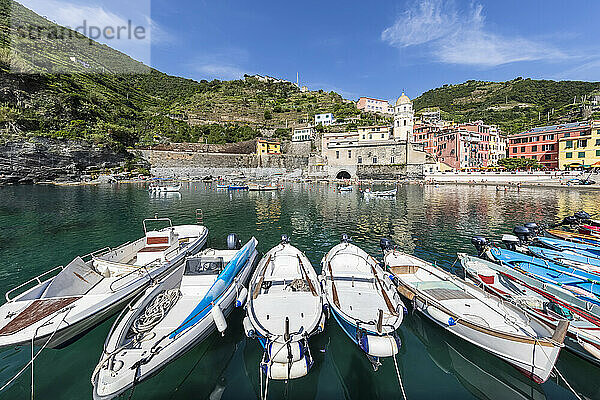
<point x="155" y="312"/>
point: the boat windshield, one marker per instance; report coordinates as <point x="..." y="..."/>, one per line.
<point x="204" y="266"/>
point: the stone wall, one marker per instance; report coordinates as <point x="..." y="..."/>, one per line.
<point x="44" y="159"/>
<point x="391" y="172"/>
<point x="246" y="147"/>
<point x="297" y="148"/>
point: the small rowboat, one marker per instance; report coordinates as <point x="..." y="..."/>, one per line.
<point x="237" y="187"/>
<point x="284" y="309"/>
<point x="549" y="303"/>
<point x="262" y="188"/>
<point x="568" y="258"/>
<point x="170" y="318"/>
<point x="363" y="299"/>
<point x="163" y="189"/>
<point x="58" y="310"/>
<point x="345" y="188"/>
<point x="386" y="193"/>
<point x="575" y="237"/>
<point x="586" y="250"/>
<point x="473" y="315"/>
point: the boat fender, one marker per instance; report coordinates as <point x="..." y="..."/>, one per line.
<point x="321" y="327"/>
<point x="219" y="319"/>
<point x="248" y="328"/>
<point x="440" y="316"/>
<point x="241" y="297"/>
<point x="297" y="369"/>
<point x="381" y="346"/>
<point x="280" y="352"/>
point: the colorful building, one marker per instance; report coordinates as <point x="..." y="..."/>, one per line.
<point x="542" y="143"/>
<point x="376" y="132"/>
<point x="403" y="119"/>
<point x="268" y="146"/>
<point x="374" y="105"/>
<point x="582" y="151"/>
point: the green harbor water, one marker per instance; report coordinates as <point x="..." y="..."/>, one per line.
<point x="45" y="226"/>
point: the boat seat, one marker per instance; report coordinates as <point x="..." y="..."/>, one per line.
<point x="36" y="311"/>
<point x="404" y="269"/>
<point x="153" y="249"/>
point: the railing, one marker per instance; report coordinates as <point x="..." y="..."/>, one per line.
<point x="36" y="279"/>
<point x="136" y="270"/>
<point x="93" y="254"/>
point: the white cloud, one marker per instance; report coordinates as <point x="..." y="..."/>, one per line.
<point x="224" y="64"/>
<point x="455" y="36"/>
<point x="220" y="71"/>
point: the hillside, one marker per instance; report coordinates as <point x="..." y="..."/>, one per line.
<point x="513" y="105"/>
<point x="107" y="97"/>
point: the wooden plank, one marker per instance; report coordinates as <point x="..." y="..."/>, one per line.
<point x="36" y="311"/>
<point x="336" y="299"/>
<point x="262" y="277"/>
<point x="305" y="274"/>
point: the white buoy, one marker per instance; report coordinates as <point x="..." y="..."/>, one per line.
<point x="219" y="319"/>
<point x="283" y="371"/>
<point x="241" y="297"/>
<point x="248" y="329"/>
<point x="382" y="346"/>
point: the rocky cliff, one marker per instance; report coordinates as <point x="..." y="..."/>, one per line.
<point x="44" y="159"/>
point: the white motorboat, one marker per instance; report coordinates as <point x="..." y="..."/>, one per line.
<point x="383" y="193"/>
<point x="476" y="316"/>
<point x="164" y="188"/>
<point x="170" y="318"/>
<point x="60" y="308"/>
<point x="363" y="300"/>
<point x="284" y="308"/>
<point x="345" y="189"/>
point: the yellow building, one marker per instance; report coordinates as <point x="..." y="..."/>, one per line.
<point x="268" y="146"/>
<point x="377" y="132"/>
<point x="580" y="151"/>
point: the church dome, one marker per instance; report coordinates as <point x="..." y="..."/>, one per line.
<point x="402" y="99"/>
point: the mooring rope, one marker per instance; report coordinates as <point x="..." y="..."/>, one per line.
<point x="399" y="378"/>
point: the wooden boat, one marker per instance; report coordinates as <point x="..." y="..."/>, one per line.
<point x="57" y="310"/>
<point x="170" y="318"/>
<point x="385" y="193"/>
<point x="363" y="300"/>
<point x="549" y="303"/>
<point x="574" y="237"/>
<point x="284" y="309"/>
<point x="567" y="258"/>
<point x="477" y="317"/>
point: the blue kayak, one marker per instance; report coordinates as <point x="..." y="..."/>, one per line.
<point x="568" y="258"/>
<point x="582" y="284"/>
<point x="586" y="250"/>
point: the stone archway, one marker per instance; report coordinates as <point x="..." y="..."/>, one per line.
<point x="343" y="174"/>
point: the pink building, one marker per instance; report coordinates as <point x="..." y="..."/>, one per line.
<point x="374" y="105"/>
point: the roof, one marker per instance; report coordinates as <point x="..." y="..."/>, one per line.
<point x="402" y="99"/>
<point x="549" y="128"/>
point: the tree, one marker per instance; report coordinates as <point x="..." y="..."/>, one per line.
<point x="268" y="115"/>
<point x="513" y="163"/>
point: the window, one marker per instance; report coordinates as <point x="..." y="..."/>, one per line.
<point x="370" y="136"/>
<point x="546" y="156"/>
<point x="337" y="154"/>
<point x="581" y="154"/>
<point x="582" y="143"/>
<point x="523" y="149"/>
<point x="375" y="160"/>
<point x="382" y="136"/>
<point x="567" y="134"/>
<point x="392" y="160"/>
<point x="349" y="153"/>
<point x="359" y="161"/>
<point x="597" y="142"/>
<point x="533" y="148"/>
<point x="364" y="136"/>
<point x="514" y="149"/>
<point x="404" y="122"/>
<point x="597" y="153"/>
<point x="569" y="155"/>
<point x="569" y="144"/>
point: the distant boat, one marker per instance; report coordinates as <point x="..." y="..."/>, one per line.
<point x="164" y="188"/>
<point x="468" y="312"/>
<point x="255" y="187"/>
<point x="575" y="237"/>
<point x="237" y="186"/>
<point x="384" y="193"/>
<point x="222" y="186"/>
<point x="345" y="188"/>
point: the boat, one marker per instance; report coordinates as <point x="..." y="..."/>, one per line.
<point x="256" y="187"/>
<point x="582" y="284"/>
<point x="549" y="303"/>
<point x="574" y="237"/>
<point x="164" y="188"/>
<point x="66" y="302"/>
<point x="237" y="186"/>
<point x="585" y="250"/>
<point x="363" y="300"/>
<point x="474" y="315"/>
<point x="173" y="316"/>
<point x="567" y="258"/>
<point x="284" y="309"/>
<point x="345" y="188"/>
<point x="385" y="193"/>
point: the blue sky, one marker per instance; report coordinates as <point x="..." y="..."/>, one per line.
<point x="366" y="48"/>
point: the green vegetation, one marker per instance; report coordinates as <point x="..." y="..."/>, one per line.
<point x="513" y="105"/>
<point x="514" y="163"/>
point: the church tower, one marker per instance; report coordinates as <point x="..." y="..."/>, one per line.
<point x="403" y="119"/>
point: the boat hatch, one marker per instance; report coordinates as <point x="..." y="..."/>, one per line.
<point x="204" y="265"/>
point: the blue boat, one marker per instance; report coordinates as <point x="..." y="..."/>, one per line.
<point x="582" y="284"/>
<point x="363" y="300"/>
<point x="238" y="187"/>
<point x="586" y="250"/>
<point x="568" y="258"/>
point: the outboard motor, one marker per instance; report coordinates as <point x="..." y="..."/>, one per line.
<point x="533" y="227"/>
<point x="480" y="244"/>
<point x="385" y="244"/>
<point x="510" y="241"/>
<point x="233" y="242"/>
<point x="522" y="233"/>
<point x="570" y="220"/>
<point x="345" y="238"/>
<point x="285" y="239"/>
<point x="582" y="216"/>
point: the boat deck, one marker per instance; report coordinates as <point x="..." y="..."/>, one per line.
<point x="36" y="311"/>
